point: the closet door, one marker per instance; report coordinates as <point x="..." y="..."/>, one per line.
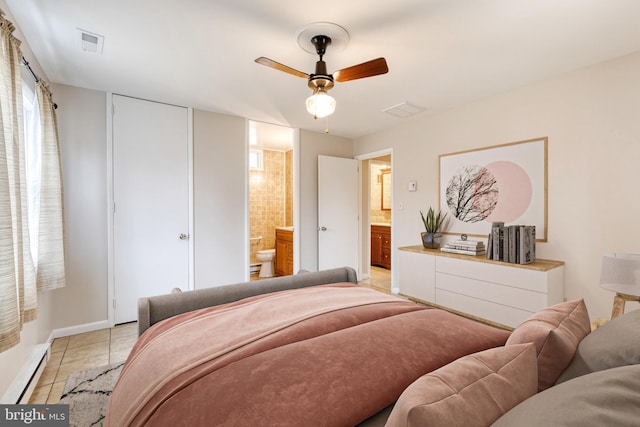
<point x="151" y="202"/>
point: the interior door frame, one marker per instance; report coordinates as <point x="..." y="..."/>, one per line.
<point x="110" y="205"/>
<point x="296" y="199"/>
<point x="364" y="192"/>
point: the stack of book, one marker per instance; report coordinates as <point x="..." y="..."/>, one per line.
<point x="512" y="243"/>
<point x="465" y="247"/>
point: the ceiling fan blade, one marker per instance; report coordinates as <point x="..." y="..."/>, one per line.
<point x="278" y="66"/>
<point x="366" y="69"/>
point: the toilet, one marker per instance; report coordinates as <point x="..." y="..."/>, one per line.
<point x="266" y="256"/>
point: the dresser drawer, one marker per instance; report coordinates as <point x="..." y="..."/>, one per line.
<point x="489" y="310"/>
<point x="523" y="278"/>
<point x="504" y="295"/>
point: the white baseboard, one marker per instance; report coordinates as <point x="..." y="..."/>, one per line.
<point x="79" y="329"/>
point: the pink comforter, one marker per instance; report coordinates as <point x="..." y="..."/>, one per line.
<point x="326" y="355"/>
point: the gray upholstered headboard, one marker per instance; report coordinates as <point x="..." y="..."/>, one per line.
<point x="151" y="310"/>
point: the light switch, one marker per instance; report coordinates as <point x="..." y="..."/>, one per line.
<point x="413" y="186"/>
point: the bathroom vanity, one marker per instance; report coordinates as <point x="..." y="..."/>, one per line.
<point x="381" y="245"/>
<point x="284" y="251"/>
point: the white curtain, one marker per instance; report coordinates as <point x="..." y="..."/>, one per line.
<point x="17" y="276"/>
<point x="50" y="246"/>
<point x="18" y="286"/>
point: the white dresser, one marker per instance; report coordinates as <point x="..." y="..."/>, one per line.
<point x="500" y="292"/>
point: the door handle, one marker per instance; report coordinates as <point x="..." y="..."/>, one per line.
<point x="183" y="236"/>
<point x="322" y="228"/>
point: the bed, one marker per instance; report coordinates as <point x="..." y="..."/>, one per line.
<point x="327" y="355"/>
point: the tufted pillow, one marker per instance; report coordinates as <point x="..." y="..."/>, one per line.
<point x="556" y="331"/>
<point x="474" y="390"/>
<point x="613" y="344"/>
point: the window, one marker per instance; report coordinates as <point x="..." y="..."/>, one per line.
<point x="256" y="159"/>
<point x="33" y="159"/>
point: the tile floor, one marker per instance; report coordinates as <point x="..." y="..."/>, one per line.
<point x="79" y="352"/>
<point x="92" y="349"/>
<point x="379" y="279"/>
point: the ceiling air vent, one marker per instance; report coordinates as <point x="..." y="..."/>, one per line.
<point x="403" y="110"/>
<point x="90" y="42"/>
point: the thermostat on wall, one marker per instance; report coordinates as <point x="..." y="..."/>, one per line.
<point x="413" y="186"/>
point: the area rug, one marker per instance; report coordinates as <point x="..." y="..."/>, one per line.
<point x="87" y="393"/>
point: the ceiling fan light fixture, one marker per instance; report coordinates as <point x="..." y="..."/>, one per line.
<point x="321" y="104"/>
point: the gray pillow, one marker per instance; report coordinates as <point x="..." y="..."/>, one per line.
<point x="604" y="398"/>
<point x="616" y="343"/>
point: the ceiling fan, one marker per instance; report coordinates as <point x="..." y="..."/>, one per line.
<point x="320" y="104"/>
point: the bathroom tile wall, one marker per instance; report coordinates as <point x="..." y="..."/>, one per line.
<point x="267" y="201"/>
<point x="377" y="215"/>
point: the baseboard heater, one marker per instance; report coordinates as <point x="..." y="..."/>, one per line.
<point x="25" y="382"/>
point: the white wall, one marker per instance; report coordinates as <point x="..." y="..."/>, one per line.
<point x="220" y="189"/>
<point x="83" y="151"/>
<point x="591" y="119"/>
<point x="313" y="144"/>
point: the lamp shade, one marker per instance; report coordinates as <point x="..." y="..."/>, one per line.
<point x="320" y="104"/>
<point x="621" y="273"/>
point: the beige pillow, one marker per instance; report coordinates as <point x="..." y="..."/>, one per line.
<point x="612" y="345"/>
<point x="556" y="331"/>
<point x="601" y="399"/>
<point x="474" y="390"/>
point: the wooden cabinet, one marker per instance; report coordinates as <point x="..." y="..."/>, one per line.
<point x="496" y="291"/>
<point x="381" y="245"/>
<point x="284" y="252"/>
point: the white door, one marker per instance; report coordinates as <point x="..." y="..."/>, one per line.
<point x="151" y="203"/>
<point x="337" y="212"/>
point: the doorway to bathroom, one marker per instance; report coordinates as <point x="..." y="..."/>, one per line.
<point x="271" y="199"/>
<point x="376" y="211"/>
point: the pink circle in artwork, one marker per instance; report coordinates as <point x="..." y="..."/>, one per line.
<point x="514" y="191"/>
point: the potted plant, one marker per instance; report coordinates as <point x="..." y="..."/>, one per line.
<point x="433" y="223"/>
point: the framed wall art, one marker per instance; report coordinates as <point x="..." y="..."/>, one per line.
<point x="502" y="183"/>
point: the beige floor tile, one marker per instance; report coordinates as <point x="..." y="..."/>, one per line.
<point x="40" y="394"/>
<point x="59" y="344"/>
<point x="124" y="343"/>
<point x="89" y="338"/>
<point x="67" y="368"/>
<point x="56" y="392"/>
<point x="86" y="351"/>
<point x="119" y="356"/>
<point x="48" y="376"/>
<point x="379" y="279"/>
<point x="80" y="352"/>
<point x="124" y="330"/>
<point x="50" y="371"/>
<point x="55" y="358"/>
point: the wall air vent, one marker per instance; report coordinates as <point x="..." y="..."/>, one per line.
<point x="90" y="42"/>
<point x="404" y="109"/>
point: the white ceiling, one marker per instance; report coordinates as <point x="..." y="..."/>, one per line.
<point x="441" y="53"/>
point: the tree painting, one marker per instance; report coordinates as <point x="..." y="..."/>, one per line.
<point x="472" y="193"/>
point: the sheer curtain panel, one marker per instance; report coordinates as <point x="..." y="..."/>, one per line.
<point x="17" y="279"/>
<point x="50" y="271"/>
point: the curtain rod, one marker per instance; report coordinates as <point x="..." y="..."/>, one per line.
<point x="33" y="74"/>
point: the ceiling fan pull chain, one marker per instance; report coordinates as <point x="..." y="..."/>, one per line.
<point x="326" y="128"/>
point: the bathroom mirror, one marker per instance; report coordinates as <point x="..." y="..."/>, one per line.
<point x="386" y="189"/>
